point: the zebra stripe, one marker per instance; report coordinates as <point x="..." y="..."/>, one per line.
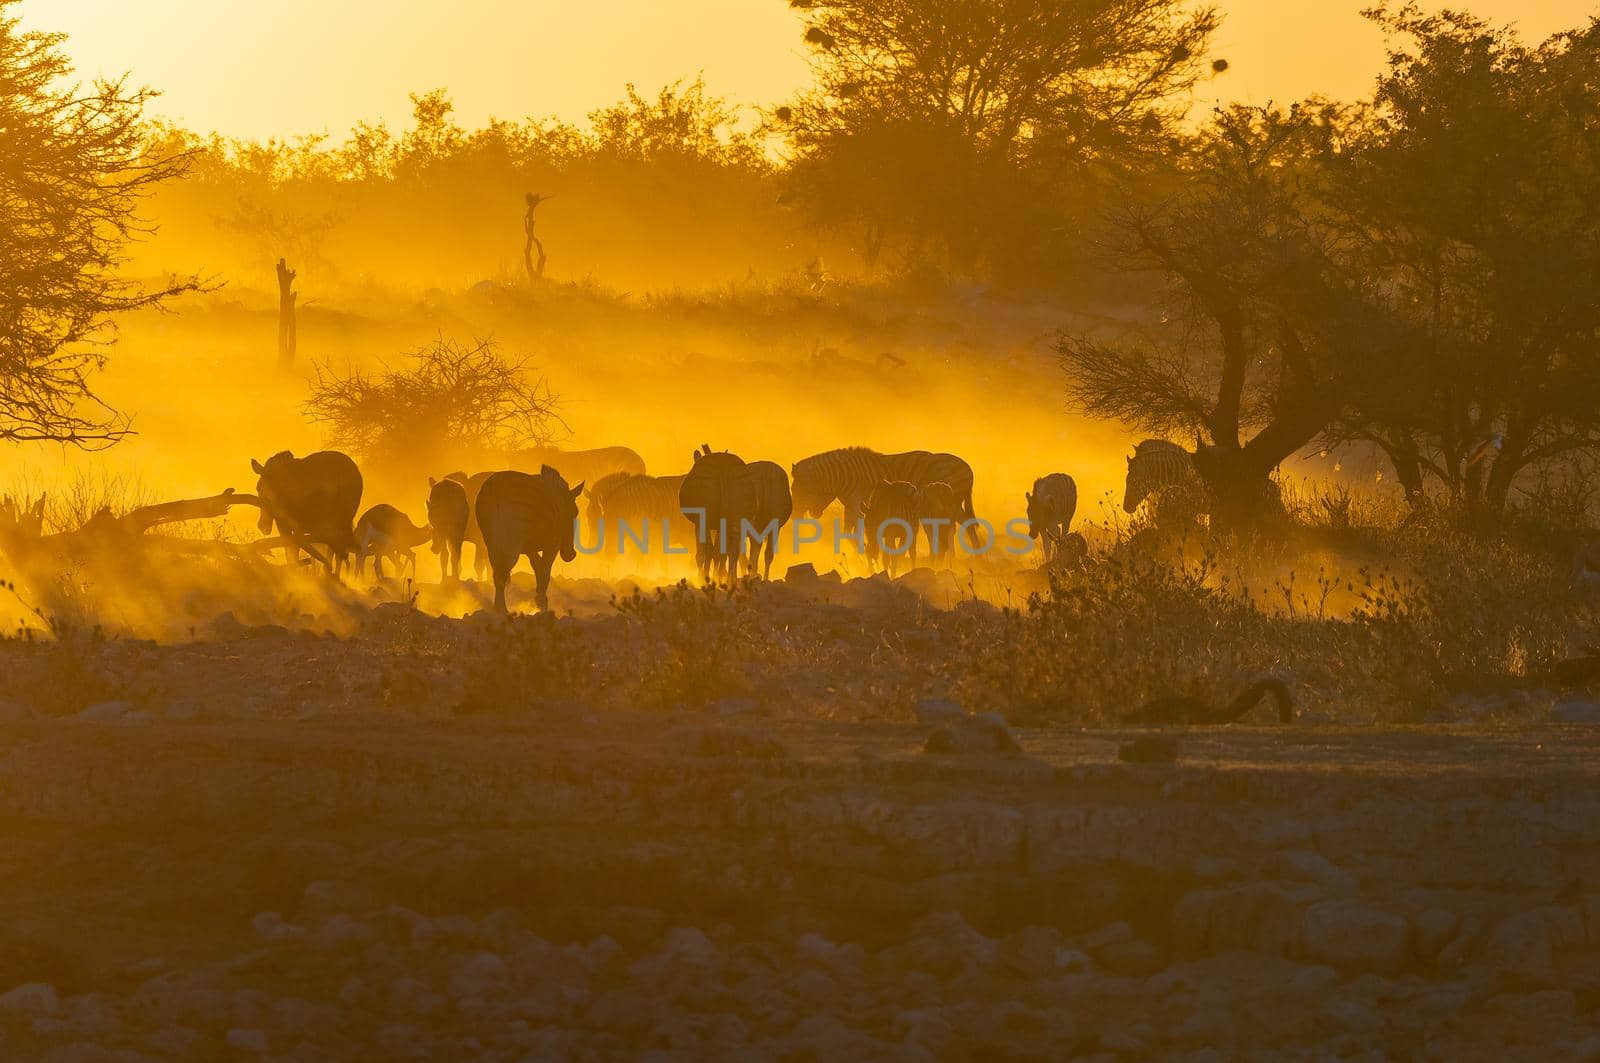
<point x="646" y="503"/>
<point x="922" y="467"/>
<point x="850" y="475"/>
<point x="1052" y="504"/>
<point x="847" y="475"/>
<point x="1158" y="464"/>
<point x="578" y="465"/>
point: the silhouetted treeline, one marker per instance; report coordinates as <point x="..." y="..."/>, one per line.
<point x="1420" y="272"/>
<point x="658" y="191"/>
<point x="982" y="137"/>
<point x="958" y="139"/>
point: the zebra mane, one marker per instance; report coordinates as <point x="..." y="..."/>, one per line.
<point x="836" y="452"/>
<point x="1157" y="446"/>
<point x="1156" y="464"/>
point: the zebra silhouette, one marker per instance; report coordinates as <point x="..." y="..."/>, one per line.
<point x="849" y="475"/>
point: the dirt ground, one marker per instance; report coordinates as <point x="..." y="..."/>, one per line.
<point x="221" y="877"/>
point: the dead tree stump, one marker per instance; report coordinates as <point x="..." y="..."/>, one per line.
<point x="286" y="300"/>
<point x="532" y="243"/>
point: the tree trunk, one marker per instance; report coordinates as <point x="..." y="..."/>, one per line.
<point x="1406" y="459"/>
<point x="1244" y="496"/>
<point x="1244" y="500"/>
<point x="1497" y="485"/>
<point x="534" y="267"/>
<point x="286" y="323"/>
<point x="873" y="248"/>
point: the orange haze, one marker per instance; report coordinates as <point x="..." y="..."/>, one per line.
<point x="308" y="65"/>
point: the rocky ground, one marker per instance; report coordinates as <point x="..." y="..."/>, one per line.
<point x="722" y="884"/>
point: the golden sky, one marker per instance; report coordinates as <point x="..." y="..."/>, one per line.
<point x="290" y="66"/>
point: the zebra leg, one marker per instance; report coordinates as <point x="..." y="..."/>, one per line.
<point x="855" y="514"/>
<point x="502" y="576"/>
<point x="542" y="561"/>
<point x="969" y="513"/>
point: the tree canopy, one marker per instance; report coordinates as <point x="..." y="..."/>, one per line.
<point x="454" y="400"/>
<point x="962" y="123"/>
<point x="1421" y="271"/>
<point x="73" y="170"/>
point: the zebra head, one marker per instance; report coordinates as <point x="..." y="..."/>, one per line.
<point x="567" y="503"/>
<point x="269" y="486"/>
<point x="810" y="489"/>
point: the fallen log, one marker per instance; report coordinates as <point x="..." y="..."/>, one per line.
<point x="273" y="542"/>
<point x="103" y="529"/>
<point x="144" y="518"/>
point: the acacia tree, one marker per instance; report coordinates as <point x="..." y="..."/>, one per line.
<point x="960" y="121"/>
<point x="72" y="174"/>
<point x="1473" y="187"/>
<point x="1268" y="335"/>
<point x="455" y="401"/>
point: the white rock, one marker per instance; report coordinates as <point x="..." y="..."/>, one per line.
<point x="1346" y="933"/>
<point x="91" y="1015"/>
<point x="254" y="1041"/>
<point x="600" y="952"/>
<point x="478" y="976"/>
<point x="31" y="998"/>
<point x="270" y="926"/>
<point x="105" y="711"/>
<point x="341" y="931"/>
<point x="1527" y="941"/>
<point x="1307" y="865"/>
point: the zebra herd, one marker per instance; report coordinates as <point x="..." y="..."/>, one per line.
<point x="729" y="508"/>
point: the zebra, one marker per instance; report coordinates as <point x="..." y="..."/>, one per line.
<point x="771" y="507"/>
<point x="939" y="514"/>
<point x="850" y="475"/>
<point x="589" y="466"/>
<point x="533" y="516"/>
<point x="449" y="512"/>
<point x="719" y="496"/>
<point x="474" y="534"/>
<point x="311" y="500"/>
<point x="734" y="502"/>
<point x="1051" y="506"/>
<point x="384" y="531"/>
<point x="1155" y="465"/>
<point x="644" y="504"/>
<point x="892" y="518"/>
<point x="1159" y="465"/>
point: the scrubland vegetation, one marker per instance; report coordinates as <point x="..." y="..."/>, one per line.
<point x="302" y="815"/>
